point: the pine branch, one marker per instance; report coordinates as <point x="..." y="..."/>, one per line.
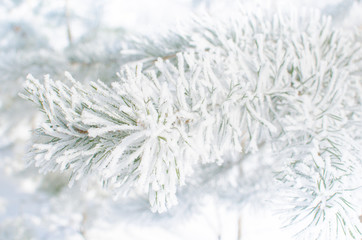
<point x="284" y="81"/>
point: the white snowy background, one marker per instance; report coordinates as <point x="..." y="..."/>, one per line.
<point x="31" y="205"/>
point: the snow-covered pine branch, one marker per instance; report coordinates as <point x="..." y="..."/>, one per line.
<point x="240" y="83"/>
